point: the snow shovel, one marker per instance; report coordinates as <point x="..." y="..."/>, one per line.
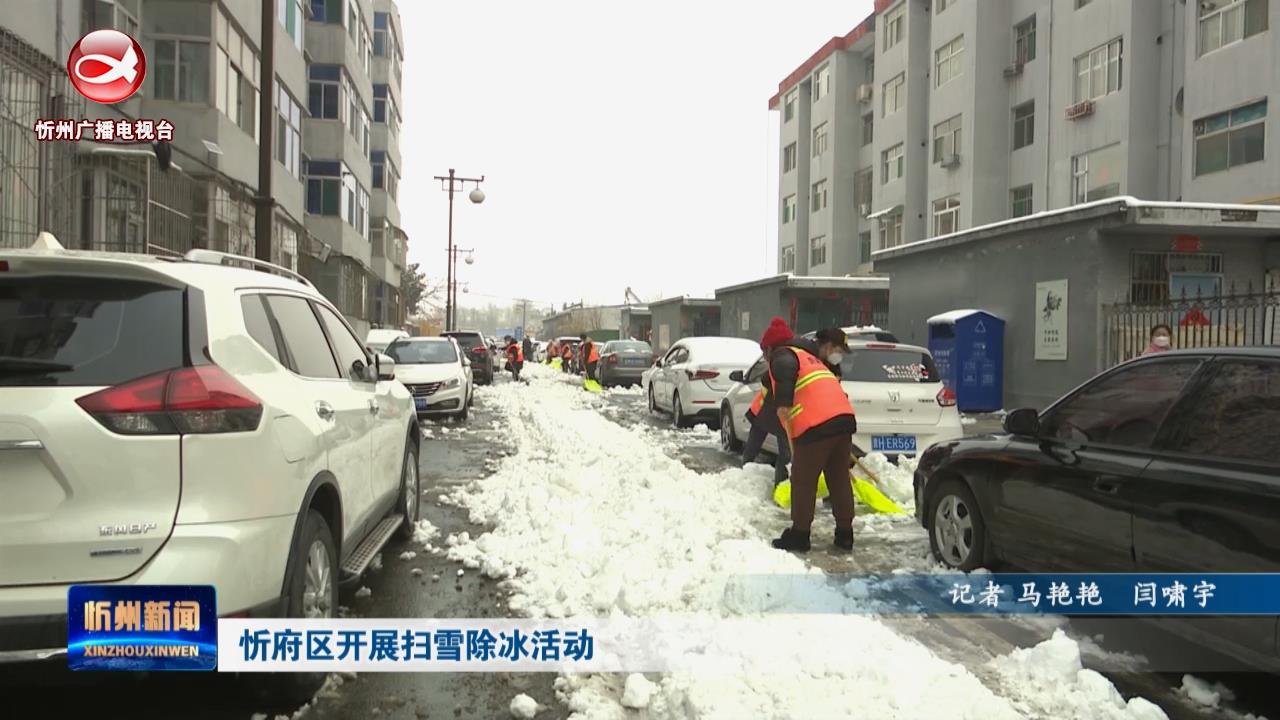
<point x="591" y="386"/>
<point x="556" y="363"/>
<point x="864" y="491"/>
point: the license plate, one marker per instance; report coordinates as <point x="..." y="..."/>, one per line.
<point x="635" y="362"/>
<point x="421" y="403"/>
<point x="893" y="443"/>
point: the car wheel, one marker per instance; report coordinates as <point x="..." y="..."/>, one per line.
<point x="410" y="503"/>
<point x="677" y="412"/>
<point x="462" y="415"/>
<point x="729" y="441"/>
<point x="653" y="403"/>
<point x="957" y="533"/>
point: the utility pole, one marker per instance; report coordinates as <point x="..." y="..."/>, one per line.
<point x="450" y="184"/>
<point x="264" y="203"/>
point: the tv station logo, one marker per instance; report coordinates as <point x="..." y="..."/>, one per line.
<point x="106" y="67"/>
<point x="142" y="627"/>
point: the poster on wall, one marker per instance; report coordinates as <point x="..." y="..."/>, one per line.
<point x="1051" y="320"/>
<point x="664" y="336"/>
<point x="746" y="321"/>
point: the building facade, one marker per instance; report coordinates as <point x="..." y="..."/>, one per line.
<point x="934" y="116"/>
<point x="204" y="76"/>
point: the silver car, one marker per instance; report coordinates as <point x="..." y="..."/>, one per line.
<point x="622" y="362"/>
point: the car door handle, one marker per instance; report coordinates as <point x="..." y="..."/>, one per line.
<point x="21" y="445"/>
<point x="1110" y="486"/>
<point x="324" y="410"/>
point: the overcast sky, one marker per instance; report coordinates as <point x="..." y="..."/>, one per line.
<point x="622" y="144"/>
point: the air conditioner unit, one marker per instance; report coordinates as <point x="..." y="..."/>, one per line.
<point x="865" y="92"/>
<point x="1013" y="70"/>
<point x="1079" y="110"/>
<point x="950" y="161"/>
<point x="864" y="209"/>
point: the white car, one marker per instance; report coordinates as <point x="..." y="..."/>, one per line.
<point x="691" y="379"/>
<point x="185" y="422"/>
<point x="436" y="373"/>
<point x="378" y="339"/>
<point x="899" y="399"/>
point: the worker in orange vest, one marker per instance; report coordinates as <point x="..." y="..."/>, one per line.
<point x="763" y="416"/>
<point x="515" y="358"/>
<point x="552" y="351"/>
<point x="819" y="422"/>
<point x="566" y="357"/>
<point x="590" y="355"/>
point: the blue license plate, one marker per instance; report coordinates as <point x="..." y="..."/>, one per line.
<point x="635" y="362"/>
<point x="893" y="443"/>
<point x="421" y="403"/>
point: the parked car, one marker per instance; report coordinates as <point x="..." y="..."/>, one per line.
<point x="477" y="351"/>
<point x="869" y="332"/>
<point x="229" y="417"/>
<point x="1167" y="463"/>
<point x="898" y="396"/>
<point x="436" y="373"/>
<point x="691" y="379"/>
<point x="378" y="339"/>
<point x="622" y="362"/>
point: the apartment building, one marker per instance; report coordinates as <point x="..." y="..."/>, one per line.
<point x="934" y="116"/>
<point x="204" y="76"/>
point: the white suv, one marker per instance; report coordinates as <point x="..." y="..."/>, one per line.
<point x="184" y="421"/>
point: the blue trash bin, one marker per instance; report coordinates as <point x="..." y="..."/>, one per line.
<point x="968" y="348"/>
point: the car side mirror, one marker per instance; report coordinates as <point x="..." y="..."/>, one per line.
<point x="1024" y="422"/>
<point x="737" y="376"/>
<point x="386" y="367"/>
<point x="657" y="363"/>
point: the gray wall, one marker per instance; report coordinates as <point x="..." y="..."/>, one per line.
<point x="667" y="314"/>
<point x="761" y="304"/>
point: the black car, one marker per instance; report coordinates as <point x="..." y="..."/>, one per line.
<point x="1167" y="463"/>
<point x="869" y="334"/>
<point x="477" y="350"/>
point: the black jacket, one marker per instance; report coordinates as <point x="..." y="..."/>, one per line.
<point x="785" y="368"/>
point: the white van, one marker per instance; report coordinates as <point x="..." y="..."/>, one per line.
<point x="379" y="338"/>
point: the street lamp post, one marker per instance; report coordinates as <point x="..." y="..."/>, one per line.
<point x="451" y="184"/>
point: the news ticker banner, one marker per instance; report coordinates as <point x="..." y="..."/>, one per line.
<point x="115" y="627"/>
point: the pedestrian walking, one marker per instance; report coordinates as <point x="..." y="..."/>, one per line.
<point x="527" y="346"/>
<point x="589" y="355"/>
<point x="1160" y="340"/>
<point x="515" y="358"/>
<point x="819" y="423"/>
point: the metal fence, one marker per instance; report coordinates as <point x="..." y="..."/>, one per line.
<point x="1233" y="319"/>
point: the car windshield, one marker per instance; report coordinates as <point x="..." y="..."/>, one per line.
<point x="422" y="352"/>
<point x="888" y="366"/>
<point x="628" y="346"/>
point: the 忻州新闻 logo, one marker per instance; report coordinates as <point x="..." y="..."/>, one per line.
<point x="142" y="627"/>
<point x="107" y="66"/>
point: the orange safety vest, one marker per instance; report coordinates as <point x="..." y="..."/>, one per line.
<point x="818" y="397"/>
<point x="758" y="402"/>
<point x="567" y="352"/>
<point x="516" y="351"/>
<point x="593" y="354"/>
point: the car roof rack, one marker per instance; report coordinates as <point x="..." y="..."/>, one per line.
<point x="213" y="257"/>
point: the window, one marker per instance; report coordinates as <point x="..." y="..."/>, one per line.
<point x="946" y="215"/>
<point x="349" y="350"/>
<point x="353" y="19"/>
<point x="324" y="187"/>
<point x="891" y="230"/>
<point x="819" y="139"/>
<point x="324" y="98"/>
<point x="789" y="107"/>
<point x="1020" y="201"/>
<point x="895" y="94"/>
<point x="1230" y="139"/>
<point x="1096" y="175"/>
<point x="788" y="209"/>
<point x="304" y="341"/>
<point x="120" y="15"/>
<point x="818" y="196"/>
<point x="891" y="164"/>
<point x="1237" y="414"/>
<point x="385" y="175"/>
<point x="946" y="139"/>
<point x="181" y="71"/>
<point x="1098" y="72"/>
<point x="327" y="11"/>
<point x="939" y="6"/>
<point x="895" y="25"/>
<point x="862" y="183"/>
<point x="864" y="246"/>
<point x="259" y="325"/>
<point x="385" y="110"/>
<point x="1149" y="273"/>
<point x="1227" y="22"/>
<point x="1124" y="408"/>
<point x="789" y="158"/>
<point x="1024" y="41"/>
<point x="1024" y="125"/>
<point x="288" y="140"/>
<point x="821" y="83"/>
<point x="817" y="250"/>
<point x="868" y="128"/>
<point x="236" y="76"/>
<point x="292" y="16"/>
<point x="947" y="62"/>
<point x="788" y="262"/>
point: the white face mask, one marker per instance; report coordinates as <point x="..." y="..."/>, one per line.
<point x="835" y="357"/>
<point x="1161" y="341"/>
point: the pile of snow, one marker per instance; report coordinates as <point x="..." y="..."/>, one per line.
<point x="363" y="592"/>
<point x="592" y="520"/>
<point x="1053" y="682"/>
<point x="1201" y="692"/>
<point x="896" y="481"/>
<point x="524" y="707"/>
<point x="424" y="533"/>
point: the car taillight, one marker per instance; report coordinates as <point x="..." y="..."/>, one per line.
<point x="946" y="397"/>
<point x="477" y="350"/>
<point x="701" y="374"/>
<point x="194" y="400"/>
<point x="881" y="346"/>
<point x="4" y="265"/>
<point x="612" y="359"/>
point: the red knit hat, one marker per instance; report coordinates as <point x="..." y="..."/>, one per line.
<point x="777" y="333"/>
